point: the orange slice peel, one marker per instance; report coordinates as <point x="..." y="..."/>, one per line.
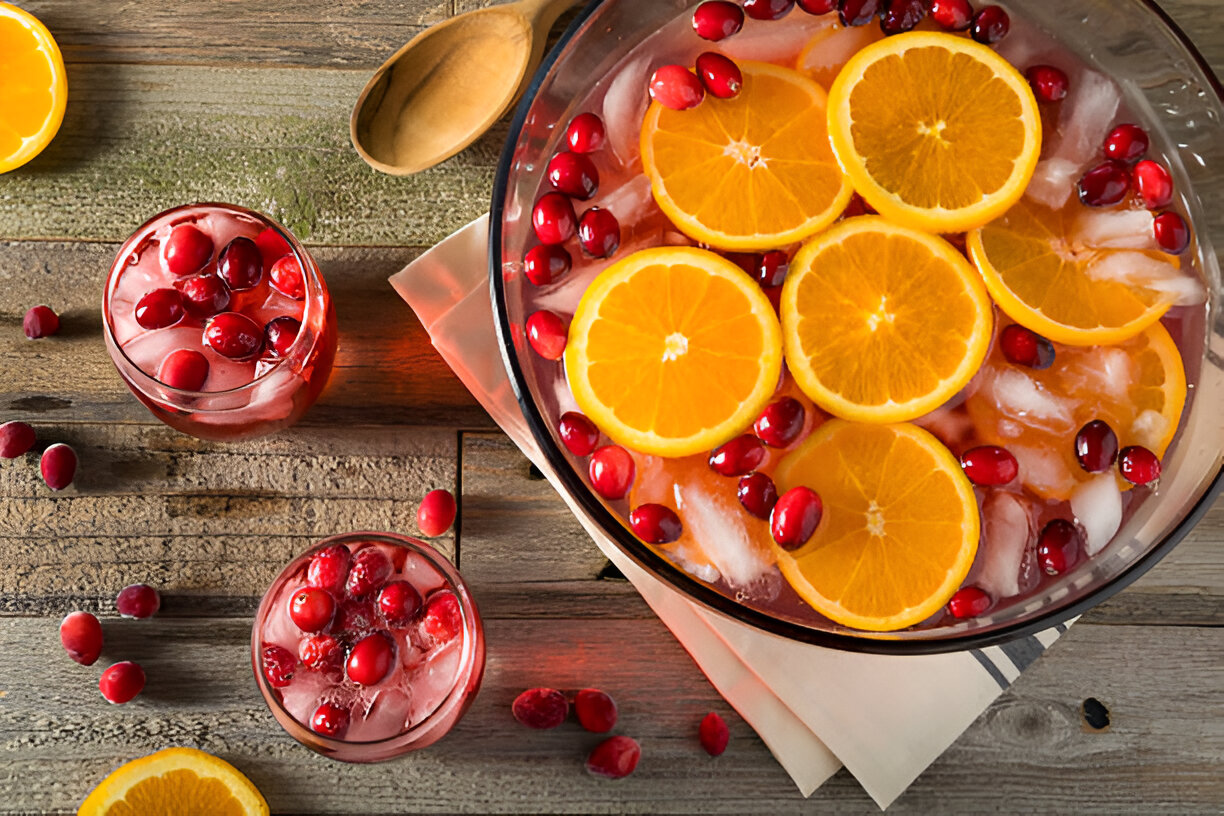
<point x="182" y="781"/>
<point x="34" y="88"/>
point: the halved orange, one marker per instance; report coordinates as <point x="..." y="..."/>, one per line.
<point x="900" y="525"/>
<point x="1037" y="271"/>
<point x="936" y="131"/>
<point x="673" y="351"/>
<point x="182" y="781"/>
<point x="882" y="323"/>
<point x="33" y="87"/>
<point x="752" y="172"/>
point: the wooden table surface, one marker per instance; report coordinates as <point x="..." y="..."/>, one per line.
<point x="249" y="102"/>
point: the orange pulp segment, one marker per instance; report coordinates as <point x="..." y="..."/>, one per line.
<point x="752" y="172"/>
<point x="33" y="87"/>
<point x="182" y="781"/>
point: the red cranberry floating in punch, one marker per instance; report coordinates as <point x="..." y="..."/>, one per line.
<point x="547" y="334"/>
<point x="185" y="369"/>
<point x="611" y="471"/>
<point x="655" y="523"/>
<point x="442" y="619"/>
<point x="1138" y="465"/>
<point x="721" y="76"/>
<point x="370" y="660"/>
<point x="240" y="265"/>
<point x="599" y="232"/>
<point x="40" y="322"/>
<point x="1025" y="347"/>
<point x="795" y="517"/>
<point x="286" y="276"/>
<point x="187" y="250"/>
<point x="1049" y="84"/>
<point x="858" y="12"/>
<point x="329" y="569"/>
<point x="739" y="456"/>
<point x="330" y="720"/>
<point x="768" y="9"/>
<point x="1172" y="233"/>
<point x="990" y="25"/>
<point x="1126" y="143"/>
<point x="780" y="423"/>
<point x="969" y="602"/>
<point x="758" y="495"/>
<point x="321" y="652"/>
<point x="159" y="309"/>
<point x="817" y="6"/>
<point x="586" y="133"/>
<point x="573" y="174"/>
<point x="203" y="295"/>
<point x="553" y="219"/>
<point x="717" y="19"/>
<point x="233" y="335"/>
<point x="279" y="665"/>
<point x="1154" y="184"/>
<point x="312" y="609"/>
<point x="578" y="433"/>
<point x="900" y="16"/>
<point x="1096" y="446"/>
<point x="370" y="570"/>
<point x="398" y="602"/>
<point x="952" y="15"/>
<point x="1058" y="546"/>
<point x="279" y="335"/>
<point x="989" y="465"/>
<point x="1104" y="185"/>
<point x="546" y="263"/>
<point x="676" y="87"/>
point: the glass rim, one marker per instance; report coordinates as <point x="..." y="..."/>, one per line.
<point x="679" y="580"/>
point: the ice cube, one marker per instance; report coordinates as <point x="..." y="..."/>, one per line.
<point x="1043" y="470"/>
<point x="763" y="41"/>
<point x="1106" y="370"/>
<point x="1052" y="182"/>
<point x="1021" y="397"/>
<point x="717" y="524"/>
<point x="950" y="426"/>
<point x="624" y="105"/>
<point x="1097" y="505"/>
<point x="629" y="201"/>
<point x="1086" y="117"/>
<point x="1149" y="429"/>
<point x="1006" y="531"/>
<point x="1143" y="271"/>
<point x="1115" y="229"/>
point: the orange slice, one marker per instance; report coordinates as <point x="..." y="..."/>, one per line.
<point x="936" y="131"/>
<point x="33" y="88"/>
<point x="753" y="172"/>
<point x="673" y="351"/>
<point x="900" y="526"/>
<point x="1037" y="270"/>
<point x="882" y="323"/>
<point x="182" y="781"/>
<point x="832" y="47"/>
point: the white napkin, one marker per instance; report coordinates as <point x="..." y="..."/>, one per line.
<point x="885" y="718"/>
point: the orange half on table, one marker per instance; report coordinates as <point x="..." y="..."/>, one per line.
<point x="33" y="87"/>
<point x="179" y="781"/>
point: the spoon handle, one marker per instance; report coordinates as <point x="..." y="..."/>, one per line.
<point x="543" y="13"/>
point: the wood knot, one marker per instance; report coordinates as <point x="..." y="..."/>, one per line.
<point x="1095" y="714"/>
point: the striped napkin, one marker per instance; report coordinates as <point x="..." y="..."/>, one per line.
<point x="884" y="718"/>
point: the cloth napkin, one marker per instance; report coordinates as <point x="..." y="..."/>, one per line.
<point x="884" y="718"/>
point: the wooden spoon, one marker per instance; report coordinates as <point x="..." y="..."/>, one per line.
<point x="443" y="89"/>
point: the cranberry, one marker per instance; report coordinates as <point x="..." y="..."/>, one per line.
<point x="858" y="206"/>
<point x="553" y="218"/>
<point x="989" y="465"/>
<point x="329" y="720"/>
<point x="741" y="455"/>
<point x="614" y="758"/>
<point x="611" y="471"/>
<point x="771" y="269"/>
<point x="578" y="433"/>
<point x="585" y="133"/>
<point x="122" y="682"/>
<point x="240" y="265"/>
<point x="320" y="652"/>
<point x="187" y="250"/>
<point x="233" y="335"/>
<point x="969" y="602"/>
<point x="203" y="295"/>
<point x="1126" y="143"/>
<point x="768" y="9"/>
<point x="1138" y="465"/>
<point x="329" y="568"/>
<point x="1104" y="185"/>
<point x="1172" y="232"/>
<point x="312" y="609"/>
<point x="1049" y="84"/>
<point x="757" y="493"/>
<point x="399" y="602"/>
<point x="436" y="513"/>
<point x="545" y="263"/>
<point x="370" y="660"/>
<point x="443" y="617"/>
<point x="714" y="734"/>
<point x="272" y="246"/>
<point x="990" y="25"/>
<point x="279" y="664"/>
<point x="58" y="466"/>
<point x="39" y="322"/>
<point x="540" y="708"/>
<point x="370" y="570"/>
<point x="286" y="275"/>
<point x="573" y="174"/>
<point x="1096" y="446"/>
<point x="355" y="615"/>
<point x="720" y="75"/>
<point x="279" y="334"/>
<point x="780" y="423"/>
<point x="1154" y="184"/>
<point x="952" y="15"/>
<point x="676" y="87"/>
<point x="902" y="15"/>
<point x="655" y="523"/>
<point x="1058" y="546"/>
<point x="596" y="711"/>
<point x="717" y="19"/>
<point x="138" y="601"/>
<point x="547" y="334"/>
<point x="857" y="12"/>
<point x="1025" y="347"/>
<point x="81" y="636"/>
<point x="159" y="309"/>
<point x="184" y="369"/>
<point x="599" y="232"/>
<point x="16" y="439"/>
<point x="795" y="517"/>
<point x="817" y="6"/>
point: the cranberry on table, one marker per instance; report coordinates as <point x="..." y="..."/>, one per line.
<point x="780" y="423"/>
<point x="16" y="439"/>
<point x="1138" y="465"/>
<point x="676" y="87"/>
<point x="1104" y="185"/>
<point x="714" y="734"/>
<point x="39" y="322"/>
<point x="858" y="12"/>
<point x="286" y="276"/>
<point x="328" y="568"/>
<point x="436" y="513"/>
<point x="989" y="465"/>
<point x="280" y="333"/>
<point x="546" y="263"/>
<point x="771" y="269"/>
<point x="311" y="609"/>
<point x="122" y="682"/>
<point x="138" y="601"/>
<point x="1154" y="184"/>
<point x="573" y="174"/>
<point x="547" y="334"/>
<point x="614" y="758"/>
<point x="1058" y="546"/>
<point x="596" y="711"/>
<point x="578" y="434"/>
<point x="540" y="708"/>
<point x="159" y="309"/>
<point x="370" y="660"/>
<point x="1096" y="446"/>
<point x="233" y="335"/>
<point x="1172" y="233"/>
<point x="611" y="471"/>
<point x="599" y="232"/>
<point x="81" y="636"/>
<point x="1126" y="143"/>
<point x="585" y="133"/>
<point x="369" y="571"/>
<point x="817" y="6"/>
<point x="187" y="250"/>
<point x="902" y="15"/>
<point x="203" y="295"/>
<point x="240" y="264"/>
<point x="720" y="76"/>
<point x="717" y="19"/>
<point x="320" y="652"/>
<point x="279" y="665"/>
<point x="399" y="602"/>
<point x="969" y="602"/>
<point x="757" y="493"/>
<point x="795" y="517"/>
<point x="741" y="455"/>
<point x="442" y="619"/>
<point x="58" y="466"/>
<point x="1025" y="347"/>
<point x="1049" y="84"/>
<point x="655" y="523"/>
<point x="553" y="219"/>
<point x="329" y="720"/>
<point x="990" y="25"/>
<point x="768" y="9"/>
<point x="952" y="15"/>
